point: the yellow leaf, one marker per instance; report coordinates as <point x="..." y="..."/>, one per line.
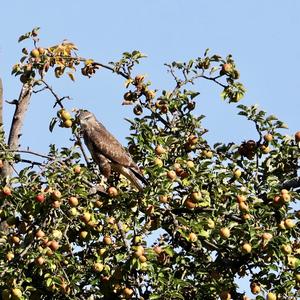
<point x="71" y="75"/>
<point x="88" y="62"/>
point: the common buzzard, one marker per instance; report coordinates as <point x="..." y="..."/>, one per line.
<point x="106" y="151"/>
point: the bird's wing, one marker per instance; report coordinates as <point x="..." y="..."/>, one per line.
<point x="101" y="140"/>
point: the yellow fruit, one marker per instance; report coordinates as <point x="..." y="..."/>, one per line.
<point x="10" y="256"/>
<point x="243" y="206"/>
<point x="98" y="267"/>
<point x="127" y="292"/>
<point x="193" y="237"/>
<point x="196" y="196"/>
<point x="192" y="140"/>
<point x="64" y="114"/>
<point x="159" y="150"/>
<point x="190" y="164"/>
<point x="73" y="201"/>
<point x="142" y="259"/>
<point x="286" y="249"/>
<point x="265" y="149"/>
<point x="171" y="175"/>
<point x="225" y="232"/>
<point x="207" y="153"/>
<point x="35" y="53"/>
<point x="158" y="162"/>
<point x="237" y="173"/>
<point x="163" y="198"/>
<point x="271" y="296"/>
<point x="246" y="248"/>
<point x="107" y="240"/>
<point x="288" y="223"/>
<point x="68" y="123"/>
<point x="16" y="293"/>
<point x="268" y="137"/>
<point x="56" y="195"/>
<point x="241" y="198"/>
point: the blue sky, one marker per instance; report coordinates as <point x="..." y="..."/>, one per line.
<point x="262" y="36"/>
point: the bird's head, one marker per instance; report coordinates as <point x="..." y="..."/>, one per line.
<point x="84" y="117"/>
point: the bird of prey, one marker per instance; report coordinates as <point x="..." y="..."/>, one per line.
<point x="106" y="151"/>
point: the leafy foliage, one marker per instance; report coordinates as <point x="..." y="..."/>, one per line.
<point x="216" y="212"/>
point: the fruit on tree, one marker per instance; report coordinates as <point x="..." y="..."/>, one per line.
<point x="225" y="295"/>
<point x="9" y="256"/>
<point x="64" y="114"/>
<point x="268" y="137"/>
<point x="40" y="260"/>
<point x="192" y="237"/>
<point x="56" y="195"/>
<point x="158" y="249"/>
<point x="68" y="123"/>
<point x="112" y="192"/>
<point x="189" y="203"/>
<point x="243" y="206"/>
<point x="40" y="198"/>
<point x="77" y="169"/>
<point x="227" y="68"/>
<point x="158" y="162"/>
<point x="196" y="196"/>
<point x="207" y="153"/>
<point x="159" y="150"/>
<point x="142" y="258"/>
<point x="40" y="233"/>
<point x="297" y="136"/>
<point x="286" y="249"/>
<point x="289" y="223"/>
<point x="53" y="245"/>
<point x="86" y="217"/>
<point x="6" y="191"/>
<point x="163" y="198"/>
<point x="265" y="149"/>
<point x="190" y="164"/>
<point x="107" y="240"/>
<point x="225" y="232"/>
<point x="98" y="267"/>
<point x="73" y="201"/>
<point x="255" y="288"/>
<point x="35" y="53"/>
<point x="127" y="293"/>
<point x="237" y="173"/>
<point x="241" y="198"/>
<point x="246" y="248"/>
<point x="171" y="175"/>
<point x="271" y="296"/>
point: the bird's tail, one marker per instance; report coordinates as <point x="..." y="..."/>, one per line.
<point x="135" y="178"/>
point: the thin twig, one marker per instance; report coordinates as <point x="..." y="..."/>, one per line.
<point x="29" y="152"/>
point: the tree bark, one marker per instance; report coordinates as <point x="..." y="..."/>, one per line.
<point x="16" y="126"/>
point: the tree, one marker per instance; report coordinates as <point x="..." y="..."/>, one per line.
<point x="216" y="212"/>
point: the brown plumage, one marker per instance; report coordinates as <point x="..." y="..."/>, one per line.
<point x="106" y="151"/>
